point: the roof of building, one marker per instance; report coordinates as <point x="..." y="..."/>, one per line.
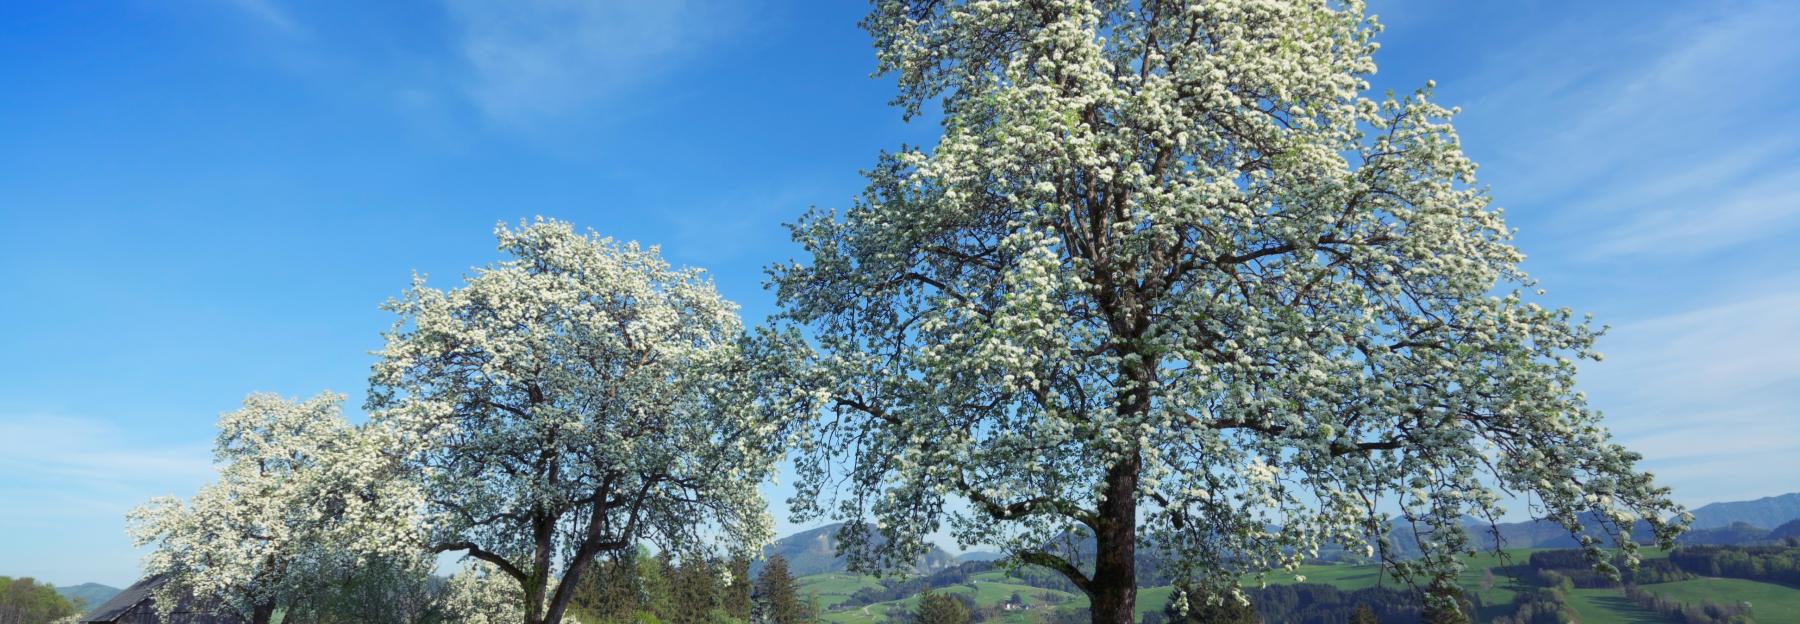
<point x="138" y="599"/>
<point x="125" y="600"/>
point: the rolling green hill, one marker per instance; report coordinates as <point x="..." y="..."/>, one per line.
<point x="814" y="551"/>
<point x="991" y="589"/>
<point x="90" y="595"/>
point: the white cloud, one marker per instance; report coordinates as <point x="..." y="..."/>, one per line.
<point x="544" y="59"/>
<point x="60" y="469"/>
<point x="1655" y="138"/>
<point x="1710" y="395"/>
<point x="1732" y="348"/>
<point x="83" y="453"/>
<point x="69" y="482"/>
<point x="267" y="12"/>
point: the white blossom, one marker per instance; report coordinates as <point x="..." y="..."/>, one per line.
<point x="579" y="397"/>
<point x="285" y="516"/>
<point x="1171" y="277"/>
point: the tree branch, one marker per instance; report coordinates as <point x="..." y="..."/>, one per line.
<point x="1059" y="564"/>
<point x="479" y="553"/>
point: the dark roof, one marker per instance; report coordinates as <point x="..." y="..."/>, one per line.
<point x="123" y="601"/>
<point x="136" y="605"/>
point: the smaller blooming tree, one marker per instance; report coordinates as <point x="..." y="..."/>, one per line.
<point x="576" y="399"/>
<point x="481" y="594"/>
<point x="271" y="528"/>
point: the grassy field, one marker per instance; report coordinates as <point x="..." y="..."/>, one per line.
<point x="833" y="589"/>
<point x="988" y="589"/>
<point x="1770" y="603"/>
<point x="1609" y="606"/>
<point x="1773" y="604"/>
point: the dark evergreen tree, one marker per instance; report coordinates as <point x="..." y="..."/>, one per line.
<point x="696" y="591"/>
<point x="776" y="592"/>
<point x="656" y="595"/>
<point x="611" y="591"/>
<point x="736" y="596"/>
<point x="936" y="608"/>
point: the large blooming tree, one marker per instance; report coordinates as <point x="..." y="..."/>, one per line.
<point x="1170" y="279"/>
<point x="577" y="398"/>
<point x="290" y="511"/>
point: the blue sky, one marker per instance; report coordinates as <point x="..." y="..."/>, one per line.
<point x="203" y="198"/>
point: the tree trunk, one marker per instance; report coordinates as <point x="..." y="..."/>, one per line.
<point x="1113" y="594"/>
<point x="565" y="588"/>
<point x="542" y="527"/>
<point x="534" y="598"/>
<point x="261" y="614"/>
<point x="536" y="585"/>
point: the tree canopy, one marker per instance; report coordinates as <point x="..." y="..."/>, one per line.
<point x="26" y="601"/>
<point x="577" y="398"/>
<point x="275" y="525"/>
<point x="939" y="608"/>
<point x="1171" y="278"/>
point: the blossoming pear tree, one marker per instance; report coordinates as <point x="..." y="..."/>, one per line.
<point x="480" y="594"/>
<point x="577" y="398"/>
<point x="276" y="523"/>
<point x="1171" y="280"/>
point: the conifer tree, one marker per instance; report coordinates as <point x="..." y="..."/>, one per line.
<point x="936" y="608"/>
<point x="656" y="593"/>
<point x="696" y="591"/>
<point x="776" y="591"/>
<point x="736" y="594"/>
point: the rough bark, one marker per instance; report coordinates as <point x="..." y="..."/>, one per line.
<point x="1112" y="595"/>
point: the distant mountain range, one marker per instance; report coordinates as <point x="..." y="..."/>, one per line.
<point x="90" y="595"/>
<point x="1791" y="529"/>
<point x="815" y="552"/>
<point x="980" y="555"/>
<point x="1724" y="523"/>
<point x="1768" y="513"/>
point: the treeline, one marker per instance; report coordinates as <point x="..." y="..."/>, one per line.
<point x="1689" y="613"/>
<point x="640" y="588"/>
<point x="1771" y="564"/>
<point x="1303" y="603"/>
<point x="26" y="601"/>
<point x="963" y="573"/>
<point x="1551" y="567"/>
<point x="1540" y="606"/>
<point x="1556" y="573"/>
<point x="898" y="588"/>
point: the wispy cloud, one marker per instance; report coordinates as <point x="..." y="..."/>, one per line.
<point x="1671" y="137"/>
<point x="73" y="474"/>
<point x="70" y="481"/>
<point x="268" y="12"/>
<point x="85" y="453"/>
<point x="1731" y="348"/>
<point x="1708" y="394"/>
<point x="541" y="60"/>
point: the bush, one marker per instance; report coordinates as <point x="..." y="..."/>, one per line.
<point x="27" y="601"/>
